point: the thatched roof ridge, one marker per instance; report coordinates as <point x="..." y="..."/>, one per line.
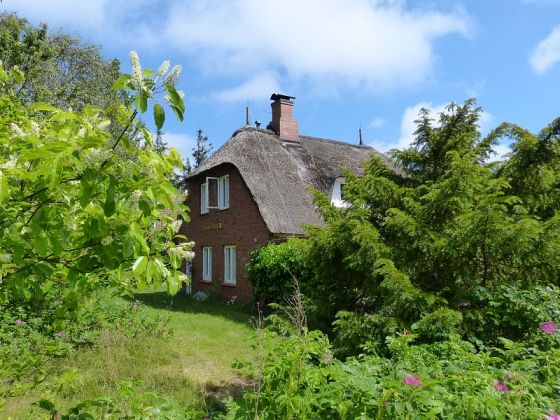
<point x="278" y="174"/>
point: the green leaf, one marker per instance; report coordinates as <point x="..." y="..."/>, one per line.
<point x="141" y="102"/>
<point x="139" y="266"/>
<point x="46" y="405"/>
<point x="159" y="116"/>
<point x="177" y="112"/>
<point x="41" y="106"/>
<point x="109" y="208"/>
<point x="145" y="206"/>
<point x="4" y="187"/>
<point x="19" y="77"/>
<point x="122" y="82"/>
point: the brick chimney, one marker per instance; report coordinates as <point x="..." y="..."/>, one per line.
<point x="283" y="122"/>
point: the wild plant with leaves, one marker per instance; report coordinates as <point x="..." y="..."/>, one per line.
<point x="79" y="205"/>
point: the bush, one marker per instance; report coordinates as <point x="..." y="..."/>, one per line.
<point x="274" y="267"/>
<point x="447" y="379"/>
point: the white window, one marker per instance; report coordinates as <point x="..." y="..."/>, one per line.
<point x="204" y="198"/>
<point x="337" y="197"/>
<point x="229" y="264"/>
<point x="207" y="263"/>
<point x="215" y="187"/>
<point x="223" y="192"/>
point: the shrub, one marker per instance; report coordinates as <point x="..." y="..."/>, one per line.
<point x="447" y="379"/>
<point x="274" y="267"/>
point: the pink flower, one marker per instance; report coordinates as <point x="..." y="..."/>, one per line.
<point x="327" y="357"/>
<point x="548" y="327"/>
<point x="18" y="322"/>
<point x="506" y="378"/>
<point x="60" y="334"/>
<point x="463" y="304"/>
<point x="553" y="416"/>
<point x="500" y="386"/>
<point x="412" y="380"/>
<point x="58" y="302"/>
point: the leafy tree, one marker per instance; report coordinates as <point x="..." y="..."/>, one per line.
<point x="60" y="69"/>
<point x="428" y="245"/>
<point x="75" y="214"/>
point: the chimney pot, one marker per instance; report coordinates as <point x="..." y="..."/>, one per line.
<point x="283" y="122"/>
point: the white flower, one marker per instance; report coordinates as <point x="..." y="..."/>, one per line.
<point x="136" y="69"/>
<point x="163" y="68"/>
<point x="183" y="251"/>
<point x="10" y="163"/>
<point x="35" y="128"/>
<point x="103" y="124"/>
<point x="107" y="240"/>
<point x="173" y="75"/>
<point x="95" y="156"/>
<point x="176" y="225"/>
<point x="16" y="131"/>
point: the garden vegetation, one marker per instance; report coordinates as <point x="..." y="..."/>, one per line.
<point x="435" y="293"/>
<point x="437" y="284"/>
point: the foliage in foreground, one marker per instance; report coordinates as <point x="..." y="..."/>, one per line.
<point x="449" y="379"/>
<point x="80" y="207"/>
<point x="29" y="341"/>
<point x="129" y="403"/>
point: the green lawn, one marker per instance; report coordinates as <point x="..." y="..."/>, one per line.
<point x="192" y="366"/>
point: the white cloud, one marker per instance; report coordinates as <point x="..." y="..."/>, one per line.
<point x="317" y="45"/>
<point x="547" y="52"/>
<point x="363" y="43"/>
<point x="501" y="150"/>
<point x="70" y="13"/>
<point x="180" y="141"/>
<point x="408" y="125"/>
<point x="256" y="88"/>
<point x="377" y="122"/>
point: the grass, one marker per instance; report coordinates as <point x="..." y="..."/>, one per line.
<point x="192" y="366"/>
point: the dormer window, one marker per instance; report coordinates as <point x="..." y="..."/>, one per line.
<point x="337" y="196"/>
<point x="214" y="194"/>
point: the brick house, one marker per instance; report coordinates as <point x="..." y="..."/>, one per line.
<point x="254" y="190"/>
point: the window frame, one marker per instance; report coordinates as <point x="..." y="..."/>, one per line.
<point x="207" y="264"/>
<point x="223" y="192"/>
<point x="336" y="196"/>
<point x="230" y="265"/>
<point x="204" y="209"/>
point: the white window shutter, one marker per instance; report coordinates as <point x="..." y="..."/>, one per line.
<point x="204" y="198"/>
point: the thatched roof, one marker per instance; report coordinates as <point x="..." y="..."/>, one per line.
<point x="279" y="174"/>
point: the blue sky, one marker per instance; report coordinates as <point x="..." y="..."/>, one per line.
<point x="349" y="63"/>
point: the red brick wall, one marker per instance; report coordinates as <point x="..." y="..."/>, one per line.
<point x="241" y="225"/>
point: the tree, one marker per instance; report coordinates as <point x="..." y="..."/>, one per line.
<point x="76" y="215"/>
<point x="439" y="244"/>
<point x="60" y="69"/>
<point x="202" y="150"/>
